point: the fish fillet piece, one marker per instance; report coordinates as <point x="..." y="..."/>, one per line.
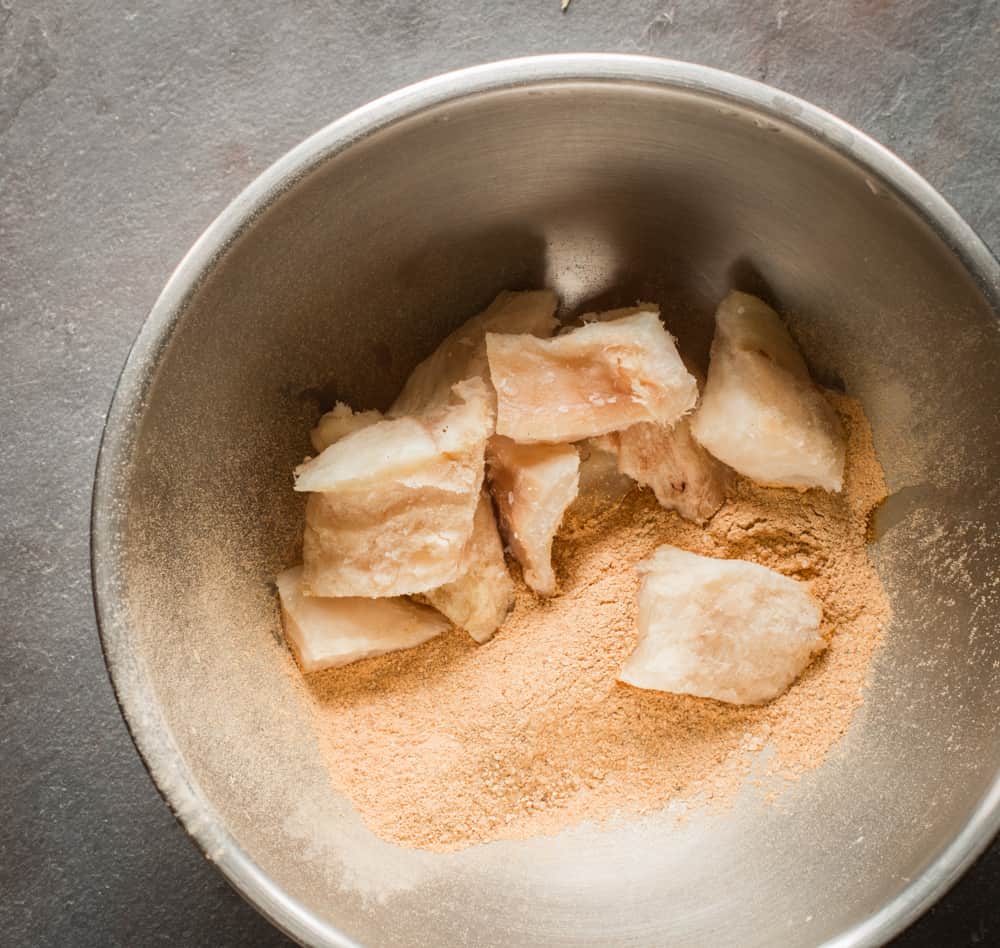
<point x="724" y="629"/>
<point x="462" y="355"/>
<point x="683" y="475"/>
<point x="391" y="506"/>
<point x="760" y="412"/>
<point x="339" y="422"/>
<point x="598" y="378"/>
<point x="608" y="315"/>
<point x="325" y="633"/>
<point x="480" y="599"/>
<point x="532" y="485"/>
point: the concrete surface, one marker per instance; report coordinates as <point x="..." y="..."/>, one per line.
<point x="124" y="129"/>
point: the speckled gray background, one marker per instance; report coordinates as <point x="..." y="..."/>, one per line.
<point x="124" y="129"/>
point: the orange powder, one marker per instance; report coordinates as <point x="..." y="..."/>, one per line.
<point x="452" y="744"/>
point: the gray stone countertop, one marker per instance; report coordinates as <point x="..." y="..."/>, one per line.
<point x="124" y="129"/>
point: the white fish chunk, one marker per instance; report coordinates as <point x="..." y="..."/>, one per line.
<point x="683" y="475"/>
<point x="760" y="412"/>
<point x="724" y="629"/>
<point x="462" y="355"/>
<point x="391" y="506"/>
<point x="532" y="486"/>
<point x="396" y="447"/>
<point x="601" y="377"/>
<point x="338" y="422"/>
<point x="325" y="633"/>
<point x="481" y="598"/>
<point x="608" y="315"/>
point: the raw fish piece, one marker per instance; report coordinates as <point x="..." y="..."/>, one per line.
<point x="392" y="505"/>
<point x="724" y="629"/>
<point x="760" y="412"/>
<point x="532" y="486"/>
<point x="324" y="633"/>
<point x="682" y="474"/>
<point x="608" y="315"/>
<point x="602" y="377"/>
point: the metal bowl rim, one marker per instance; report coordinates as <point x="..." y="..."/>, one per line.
<point x="133" y="690"/>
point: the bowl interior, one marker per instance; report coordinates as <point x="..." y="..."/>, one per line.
<point x="609" y="191"/>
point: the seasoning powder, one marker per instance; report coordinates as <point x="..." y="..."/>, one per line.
<point x="452" y="744"/>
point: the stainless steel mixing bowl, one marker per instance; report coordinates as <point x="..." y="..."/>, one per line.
<point x="611" y="178"/>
